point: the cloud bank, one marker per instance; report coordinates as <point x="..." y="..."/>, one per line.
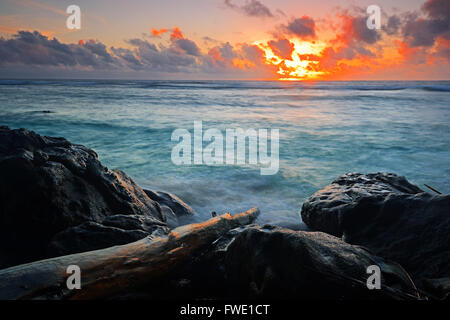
<point x="414" y="40"/>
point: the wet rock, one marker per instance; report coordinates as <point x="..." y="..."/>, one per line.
<point x="276" y="263"/>
<point x="48" y="185"/>
<point x="439" y="288"/>
<point x="177" y="212"/>
<point x="132" y="222"/>
<point x="114" y="230"/>
<point x="388" y="215"/>
<point x="178" y="206"/>
<point x="324" y="210"/>
<point x="171" y="218"/>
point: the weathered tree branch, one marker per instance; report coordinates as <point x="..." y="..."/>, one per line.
<point x="113" y="270"/>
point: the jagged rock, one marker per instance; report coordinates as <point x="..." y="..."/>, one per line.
<point x="387" y="214"/>
<point x="171" y="218"/>
<point x="49" y="184"/>
<point x="178" y="206"/>
<point x="177" y="212"/>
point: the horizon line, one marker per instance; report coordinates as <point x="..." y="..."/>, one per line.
<point x="247" y="80"/>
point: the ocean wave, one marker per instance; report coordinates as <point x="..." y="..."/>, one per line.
<point x="243" y="85"/>
<point x="212" y="85"/>
<point x="339" y="97"/>
<point x="336" y="86"/>
<point x="14" y="82"/>
<point x="438" y="86"/>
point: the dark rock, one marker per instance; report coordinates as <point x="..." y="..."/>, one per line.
<point x="178" y="206"/>
<point x="324" y="210"/>
<point x="132" y="222"/>
<point x="271" y="262"/>
<point x="439" y="288"/>
<point x="276" y="263"/>
<point x="176" y="210"/>
<point x="387" y="214"/>
<point x="90" y="236"/>
<point x="115" y="230"/>
<point x="171" y="218"/>
<point x="48" y="185"/>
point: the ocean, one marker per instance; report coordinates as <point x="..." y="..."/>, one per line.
<point x="325" y="129"/>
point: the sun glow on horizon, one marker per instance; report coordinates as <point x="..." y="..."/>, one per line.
<point x="301" y="64"/>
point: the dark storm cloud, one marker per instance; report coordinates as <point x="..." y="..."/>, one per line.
<point x="175" y="58"/>
<point x="255" y="8"/>
<point x="187" y="46"/>
<point x="303" y="27"/>
<point x="33" y="48"/>
<point x="437" y="9"/>
<point x="99" y="49"/>
<point x="142" y="43"/>
<point x="362" y="33"/>
<point x="227" y="51"/>
<point x="128" y="57"/>
<point x="252" y="8"/>
<point x="393" y="25"/>
<point x="423" y="32"/>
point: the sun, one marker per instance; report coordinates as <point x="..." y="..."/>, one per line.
<point x="302" y="63"/>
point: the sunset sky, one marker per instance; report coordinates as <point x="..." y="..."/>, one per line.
<point x="226" y="39"/>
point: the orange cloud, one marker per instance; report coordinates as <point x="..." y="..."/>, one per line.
<point x="309" y="57"/>
<point x="442" y="48"/>
<point x="297" y="49"/>
<point x="242" y="64"/>
<point x="411" y="55"/>
<point x="159" y="32"/>
<point x="176" y="34"/>
<point x="215" y="55"/>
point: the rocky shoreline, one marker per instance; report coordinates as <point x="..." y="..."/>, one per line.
<point x="59" y="205"/>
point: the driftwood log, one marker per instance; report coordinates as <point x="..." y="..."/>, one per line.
<point x="113" y="270"/>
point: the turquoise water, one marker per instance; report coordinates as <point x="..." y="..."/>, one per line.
<point x="326" y="129"/>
